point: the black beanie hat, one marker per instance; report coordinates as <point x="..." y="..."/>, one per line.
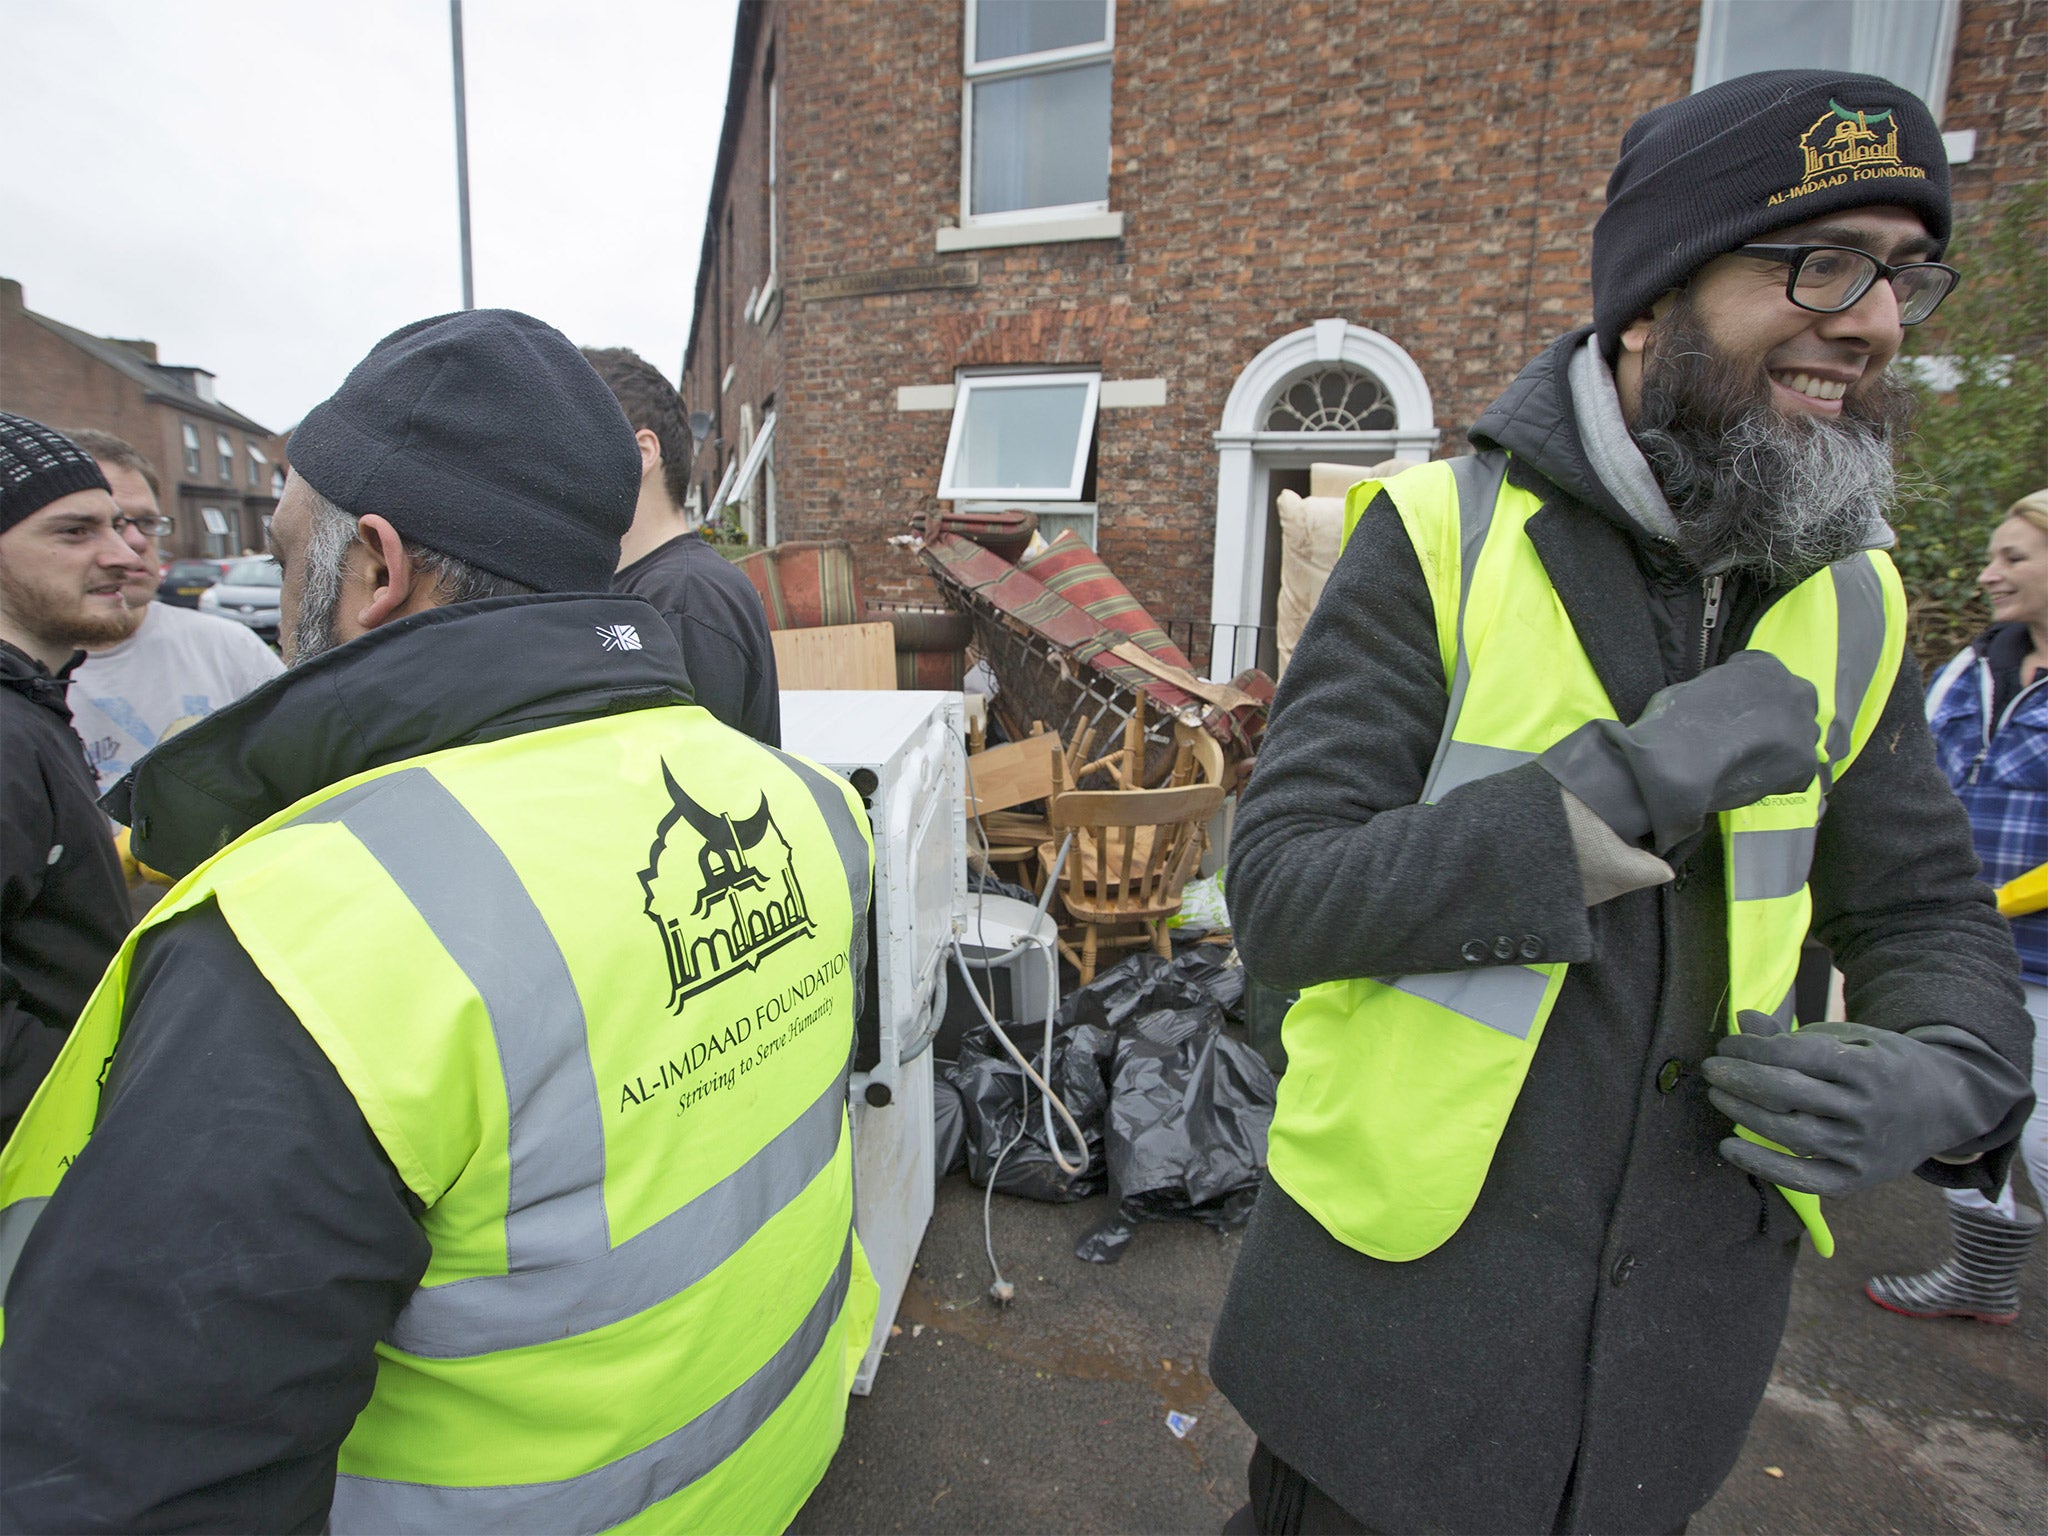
<point x="38" y="466"/>
<point x="1724" y="167"/>
<point x="486" y="436"/>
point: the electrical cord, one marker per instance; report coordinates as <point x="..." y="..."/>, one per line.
<point x="1000" y="1290"/>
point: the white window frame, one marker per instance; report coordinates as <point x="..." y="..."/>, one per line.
<point x="1714" y="16"/>
<point x="751" y="465"/>
<point x="193" y="452"/>
<point x="775" y="103"/>
<point x="257" y="459"/>
<point x="224" y="451"/>
<point x="964" y="390"/>
<point x="1042" y="63"/>
<point x="276" y="480"/>
<point x="723" y="495"/>
<point x="1082" y="516"/>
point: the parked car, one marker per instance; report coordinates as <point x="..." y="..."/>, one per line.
<point x="184" y="579"/>
<point x="247" y="593"/>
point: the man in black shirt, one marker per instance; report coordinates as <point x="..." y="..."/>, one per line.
<point x="714" y="610"/>
<point x="63" y="904"/>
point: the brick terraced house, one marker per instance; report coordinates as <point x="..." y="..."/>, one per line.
<point x="221" y="473"/>
<point x="1134" y="264"/>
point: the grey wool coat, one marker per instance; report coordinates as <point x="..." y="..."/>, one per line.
<point x="1586" y="1352"/>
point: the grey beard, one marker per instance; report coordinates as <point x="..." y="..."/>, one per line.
<point x="1751" y="488"/>
<point x="324" y="556"/>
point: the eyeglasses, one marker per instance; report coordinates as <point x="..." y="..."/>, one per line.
<point x="150" y="527"/>
<point x="1828" y="279"/>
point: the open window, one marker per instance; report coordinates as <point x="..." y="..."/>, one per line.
<point x="1036" y="109"/>
<point x="1020" y="437"/>
<point x="1909" y="42"/>
<point x="220" y="537"/>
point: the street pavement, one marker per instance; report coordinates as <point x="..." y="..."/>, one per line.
<point x="1051" y="1414"/>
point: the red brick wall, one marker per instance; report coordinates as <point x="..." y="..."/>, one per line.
<point x="1431" y="171"/>
<point x="1998" y="85"/>
<point x="739" y="265"/>
<point x="45" y="377"/>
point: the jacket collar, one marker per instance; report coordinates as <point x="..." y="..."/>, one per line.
<point x="447" y="677"/>
<point x="34" y="681"/>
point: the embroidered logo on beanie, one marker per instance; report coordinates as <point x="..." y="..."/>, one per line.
<point x="1848" y="144"/>
<point x="1699" y="176"/>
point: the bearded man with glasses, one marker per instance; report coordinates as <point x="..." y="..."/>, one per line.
<point x="175" y="665"/>
<point x="1589" y="728"/>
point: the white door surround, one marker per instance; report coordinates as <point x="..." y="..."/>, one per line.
<point x="1247" y="453"/>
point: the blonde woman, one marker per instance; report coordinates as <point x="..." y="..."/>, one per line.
<point x="1988" y="710"/>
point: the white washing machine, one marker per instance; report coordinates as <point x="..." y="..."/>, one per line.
<point x="906" y="755"/>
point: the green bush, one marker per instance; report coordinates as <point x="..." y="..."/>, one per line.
<point x="1979" y="446"/>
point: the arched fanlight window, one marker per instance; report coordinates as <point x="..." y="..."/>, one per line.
<point x="1333" y="399"/>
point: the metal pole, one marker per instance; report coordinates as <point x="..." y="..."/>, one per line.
<point x="461" y="153"/>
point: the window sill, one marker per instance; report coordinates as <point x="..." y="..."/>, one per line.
<point x="981" y="237"/>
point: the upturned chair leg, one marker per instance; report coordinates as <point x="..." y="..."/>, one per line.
<point x="1162" y="944"/>
<point x="1088" y="942"/>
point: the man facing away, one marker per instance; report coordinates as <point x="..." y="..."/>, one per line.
<point x="176" y="664"/>
<point x="470" y="1119"/>
<point x="1584" y="730"/>
<point x="712" y="609"/>
<point x="64" y="569"/>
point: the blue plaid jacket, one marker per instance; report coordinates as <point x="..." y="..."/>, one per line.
<point x="2000" y="772"/>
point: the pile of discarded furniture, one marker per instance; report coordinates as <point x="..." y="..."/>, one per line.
<point x="1118" y="757"/>
<point x="1113" y="757"/>
<point x="825" y="639"/>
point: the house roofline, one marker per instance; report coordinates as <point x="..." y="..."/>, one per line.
<point x="745" y="30"/>
<point x="156" y="388"/>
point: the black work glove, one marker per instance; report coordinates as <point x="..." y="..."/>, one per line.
<point x="1855" y="1106"/>
<point x="1727" y="738"/>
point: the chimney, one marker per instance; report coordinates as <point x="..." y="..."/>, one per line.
<point x="10" y="295"/>
<point x="146" y="350"/>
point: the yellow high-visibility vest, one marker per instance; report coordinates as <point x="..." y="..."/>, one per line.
<point x="604" y="1041"/>
<point x="1398" y="1087"/>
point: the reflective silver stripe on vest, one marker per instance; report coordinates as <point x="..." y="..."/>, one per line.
<point x="853" y="853"/>
<point x="1783" y="1012"/>
<point x="493" y="1312"/>
<point x="1507" y="997"/>
<point x="1859" y="647"/>
<point x="16" y="1222"/>
<point x="1478" y="478"/>
<point x="846" y="837"/>
<point x="1772" y="863"/>
<point x="1465" y="761"/>
<point x="459" y="880"/>
<point x="619" y="1490"/>
<point x="1502" y="997"/>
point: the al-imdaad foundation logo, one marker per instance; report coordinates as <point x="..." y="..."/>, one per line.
<point x="1849" y="144"/>
<point x="721" y="891"/>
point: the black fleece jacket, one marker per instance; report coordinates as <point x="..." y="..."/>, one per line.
<point x="63" y="903"/>
<point x="191" y="1323"/>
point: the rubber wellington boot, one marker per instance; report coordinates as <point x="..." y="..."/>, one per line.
<point x="1980" y="1280"/>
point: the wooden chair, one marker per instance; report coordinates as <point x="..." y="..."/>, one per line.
<point x="1133" y="852"/>
<point x="1014" y="774"/>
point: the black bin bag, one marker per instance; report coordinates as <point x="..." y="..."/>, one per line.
<point x="1175" y="1112"/>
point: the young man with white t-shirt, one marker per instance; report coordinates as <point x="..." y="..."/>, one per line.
<point x="177" y="664"/>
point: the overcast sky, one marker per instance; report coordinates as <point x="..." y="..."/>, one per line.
<point x="264" y="189"/>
